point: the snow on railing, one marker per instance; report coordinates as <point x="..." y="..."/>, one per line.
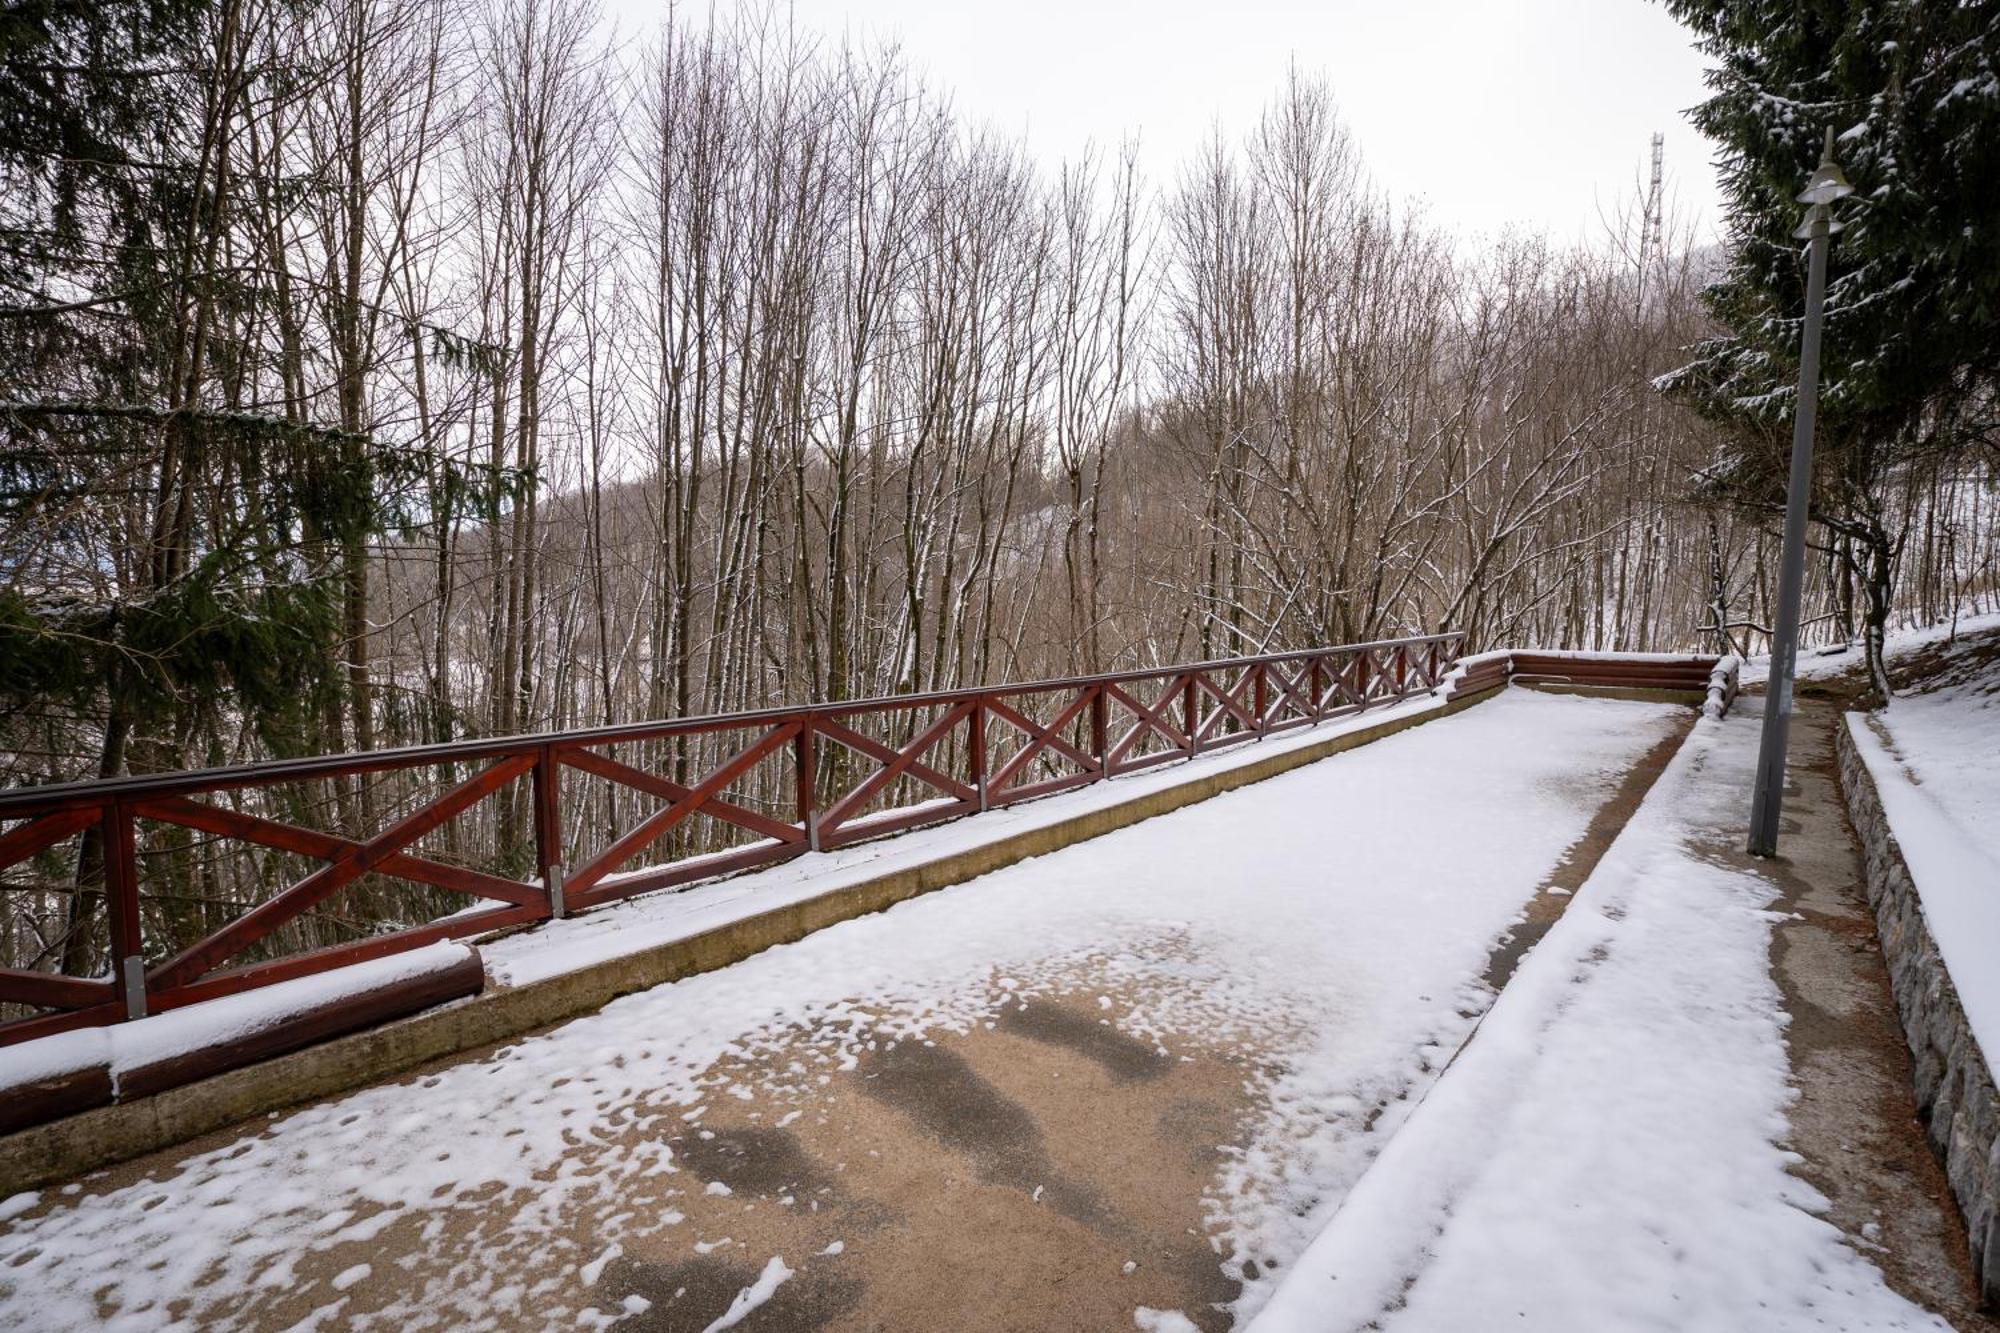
<point x="1479" y="672"/>
<point x="1722" y="686"/>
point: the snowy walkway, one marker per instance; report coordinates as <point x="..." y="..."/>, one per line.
<point x="1136" y="1075"/>
<point x="1614" y="1148"/>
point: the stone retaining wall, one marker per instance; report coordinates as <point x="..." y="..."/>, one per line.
<point x="1955" y="1092"/>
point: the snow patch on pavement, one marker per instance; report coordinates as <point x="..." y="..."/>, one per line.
<point x="763" y="1289"/>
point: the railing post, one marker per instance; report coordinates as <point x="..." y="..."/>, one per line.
<point x="1402" y="669"/>
<point x="1259" y="689"/>
<point x="1314" y="694"/>
<point x="1100" y="731"/>
<point x="1361" y="661"/>
<point x="121" y="896"/>
<point x="976" y="749"/>
<point x="547" y="781"/>
<point x="806" y="751"/>
<point x="1189" y="710"/>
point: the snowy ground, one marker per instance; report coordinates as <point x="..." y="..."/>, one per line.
<point x="1605" y="1154"/>
<point x="654" y="919"/>
<point x="1829" y="660"/>
<point x="1933" y="756"/>
<point x="1334" y="921"/>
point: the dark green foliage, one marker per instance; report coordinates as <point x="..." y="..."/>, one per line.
<point x="252" y="619"/>
<point x="174" y="546"/>
<point x="87" y="89"/>
<point x="262" y="640"/>
<point x="1911" y="353"/>
<point x="1912" y="341"/>
<point x="49" y="651"/>
<point x="257" y="643"/>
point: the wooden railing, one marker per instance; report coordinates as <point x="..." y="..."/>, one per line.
<point x="570" y="811"/>
<point x="1713" y="680"/>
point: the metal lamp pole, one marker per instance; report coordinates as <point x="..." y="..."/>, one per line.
<point x="1826" y="185"/>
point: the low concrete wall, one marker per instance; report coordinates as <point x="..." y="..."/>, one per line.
<point x="63" y="1148"/>
<point x="403" y="984"/>
<point x="1955" y="1092"/>
<point x="1651" y="677"/>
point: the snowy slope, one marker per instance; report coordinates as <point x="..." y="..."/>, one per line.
<point x="1831" y="660"/>
<point x="1935" y="757"/>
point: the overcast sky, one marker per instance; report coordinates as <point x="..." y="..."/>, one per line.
<point x="1494" y="112"/>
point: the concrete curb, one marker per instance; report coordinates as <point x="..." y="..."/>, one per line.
<point x="60" y="1149"/>
<point x="1651" y="694"/>
<point x="1956" y="1097"/>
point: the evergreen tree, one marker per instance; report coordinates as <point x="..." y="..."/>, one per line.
<point x="117" y="355"/>
<point x="180" y="540"/>
<point x="1912" y="335"/>
<point x="81" y="84"/>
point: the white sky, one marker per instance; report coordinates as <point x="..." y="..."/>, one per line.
<point x="1494" y="112"/>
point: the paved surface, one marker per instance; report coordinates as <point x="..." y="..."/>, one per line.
<point x="1045" y="1170"/>
<point x="1855" y="1123"/>
<point x="1041" y="1167"/>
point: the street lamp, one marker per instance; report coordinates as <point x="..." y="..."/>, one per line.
<point x="1826" y="185"/>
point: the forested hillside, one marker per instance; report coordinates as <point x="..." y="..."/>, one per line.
<point x="399" y="370"/>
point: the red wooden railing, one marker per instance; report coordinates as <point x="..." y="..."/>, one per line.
<point x="956" y="751"/>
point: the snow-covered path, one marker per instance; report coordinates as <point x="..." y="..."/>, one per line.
<point x="1312" y="942"/>
<point x="1606" y="1154"/>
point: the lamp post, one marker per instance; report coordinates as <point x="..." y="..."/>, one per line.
<point x="1825" y="187"/>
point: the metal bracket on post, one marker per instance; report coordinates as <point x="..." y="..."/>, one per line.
<point x="1100" y="732"/>
<point x="553" y="878"/>
<point x="132" y="981"/>
<point x="976" y="752"/>
<point x="808" y="776"/>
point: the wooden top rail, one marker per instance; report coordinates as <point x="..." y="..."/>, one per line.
<point x="19" y="802"/>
